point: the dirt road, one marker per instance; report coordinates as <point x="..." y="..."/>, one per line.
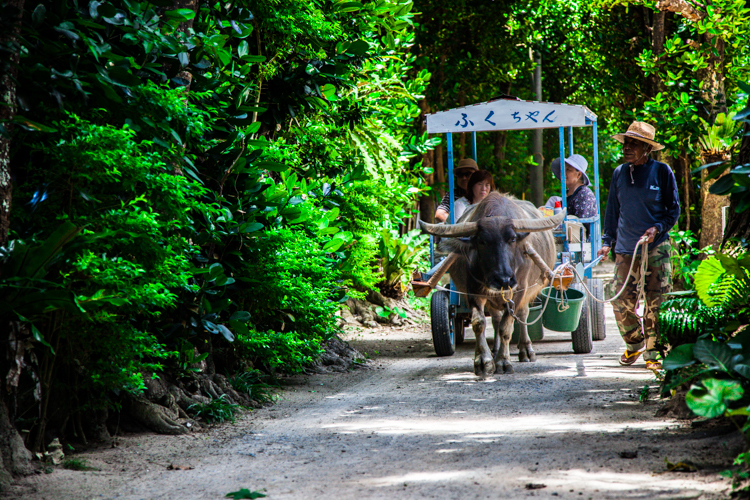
<point x="418" y="426"/>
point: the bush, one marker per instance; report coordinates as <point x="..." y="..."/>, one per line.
<point x="131" y="260"/>
<point x="292" y="291"/>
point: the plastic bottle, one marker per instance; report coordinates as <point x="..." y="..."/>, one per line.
<point x="558" y="207"/>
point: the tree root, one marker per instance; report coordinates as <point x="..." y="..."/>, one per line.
<point x="224" y="385"/>
<point x="14" y="457"/>
<point x="208" y="387"/>
<point x="338" y="356"/>
<point x="156" y="417"/>
<point x="165" y="405"/>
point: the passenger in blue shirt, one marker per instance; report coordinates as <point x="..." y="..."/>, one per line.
<point x="643" y="201"/>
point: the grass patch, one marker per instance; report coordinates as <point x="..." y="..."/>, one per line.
<point x="218" y="410"/>
<point x="253" y="383"/>
<point x="77" y="464"/>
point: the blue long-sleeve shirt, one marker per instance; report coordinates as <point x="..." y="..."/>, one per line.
<point x="640" y="197"/>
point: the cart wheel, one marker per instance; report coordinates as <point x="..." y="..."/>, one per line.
<point x="598" y="326"/>
<point x="582" y="335"/>
<point x="458" y="329"/>
<point x="442" y="327"/>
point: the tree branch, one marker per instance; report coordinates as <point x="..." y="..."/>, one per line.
<point x="681" y="7"/>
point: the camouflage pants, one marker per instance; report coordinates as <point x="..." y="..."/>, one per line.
<point x="635" y="333"/>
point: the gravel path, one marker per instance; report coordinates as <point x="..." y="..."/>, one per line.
<point x="418" y="426"/>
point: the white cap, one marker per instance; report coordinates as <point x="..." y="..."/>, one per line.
<point x="576" y="161"/>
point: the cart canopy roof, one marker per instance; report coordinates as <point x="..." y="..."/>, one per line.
<point x="509" y="114"/>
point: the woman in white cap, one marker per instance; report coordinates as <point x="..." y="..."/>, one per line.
<point x="580" y="199"/>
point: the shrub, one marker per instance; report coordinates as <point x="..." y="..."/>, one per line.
<point x="292" y="290"/>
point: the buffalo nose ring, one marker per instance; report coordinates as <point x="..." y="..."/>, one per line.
<point x="509" y="293"/>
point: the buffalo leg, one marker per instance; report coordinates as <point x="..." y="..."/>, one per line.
<point x="484" y="365"/>
<point x="503" y="325"/>
<point x="525" y="350"/>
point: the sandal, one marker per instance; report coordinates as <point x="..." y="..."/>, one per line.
<point x="628" y="358"/>
<point x="653" y="365"/>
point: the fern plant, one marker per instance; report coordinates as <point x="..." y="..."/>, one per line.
<point x="683" y="319"/>
<point x="724" y="281"/>
<point x="399" y="255"/>
<point x="722" y="286"/>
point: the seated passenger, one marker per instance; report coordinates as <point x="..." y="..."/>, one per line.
<point x="463" y="171"/>
<point x="581" y="200"/>
<point x="479" y="186"/>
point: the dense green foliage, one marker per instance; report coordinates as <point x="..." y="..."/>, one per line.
<point x="610" y="55"/>
<point x="707" y="327"/>
<point x="219" y="179"/>
<point x="201" y="189"/>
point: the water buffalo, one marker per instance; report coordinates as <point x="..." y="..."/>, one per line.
<point x="510" y="247"/>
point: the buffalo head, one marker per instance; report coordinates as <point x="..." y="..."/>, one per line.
<point x="494" y="245"/>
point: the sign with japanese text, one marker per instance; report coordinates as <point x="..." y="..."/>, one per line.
<point x="505" y="114"/>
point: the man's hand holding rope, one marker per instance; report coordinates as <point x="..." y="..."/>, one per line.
<point x="650" y="234"/>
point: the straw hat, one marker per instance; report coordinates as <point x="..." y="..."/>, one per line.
<point x="640" y="131"/>
<point x="576" y="161"/>
<point x="464" y="165"/>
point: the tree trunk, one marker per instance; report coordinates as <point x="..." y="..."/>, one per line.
<point x="711" y="207"/>
<point x="427" y="205"/>
<point x="462" y="137"/>
<point x="498" y="150"/>
<point x="713" y="78"/>
<point x="658" y="34"/>
<point x="185" y="27"/>
<point x="440" y="169"/>
<point x="682" y="174"/>
<point x="738" y="224"/>
<point x="537" y="169"/>
<point x="14" y="457"/>
<point x="12" y="10"/>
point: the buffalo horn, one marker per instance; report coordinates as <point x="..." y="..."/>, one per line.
<point x="450" y="230"/>
<point x="536" y="225"/>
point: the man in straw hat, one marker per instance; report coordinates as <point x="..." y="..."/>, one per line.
<point x="463" y="171"/>
<point x="643" y="201"/>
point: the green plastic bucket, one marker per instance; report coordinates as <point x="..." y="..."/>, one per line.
<point x="535" y="331"/>
<point x="562" y="321"/>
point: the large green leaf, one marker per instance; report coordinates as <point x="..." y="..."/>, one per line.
<point x="709" y="271"/>
<point x="358" y="48"/>
<point x="31" y="262"/>
<point x="722" y="186"/>
<point x="679" y="357"/>
<point x="32" y="126"/>
<point x="180" y="14"/>
<point x="35" y="303"/>
<point x="714" y="354"/>
<point x="348" y="6"/>
<point x="741" y="342"/>
<point x="731" y="265"/>
<point x="743" y="370"/>
<point x="711" y="399"/>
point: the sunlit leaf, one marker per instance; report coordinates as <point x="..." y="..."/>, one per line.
<point x="710" y="400"/>
<point x="358" y="48"/>
<point x="180" y="14"/>
<point x="32" y="126"/>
